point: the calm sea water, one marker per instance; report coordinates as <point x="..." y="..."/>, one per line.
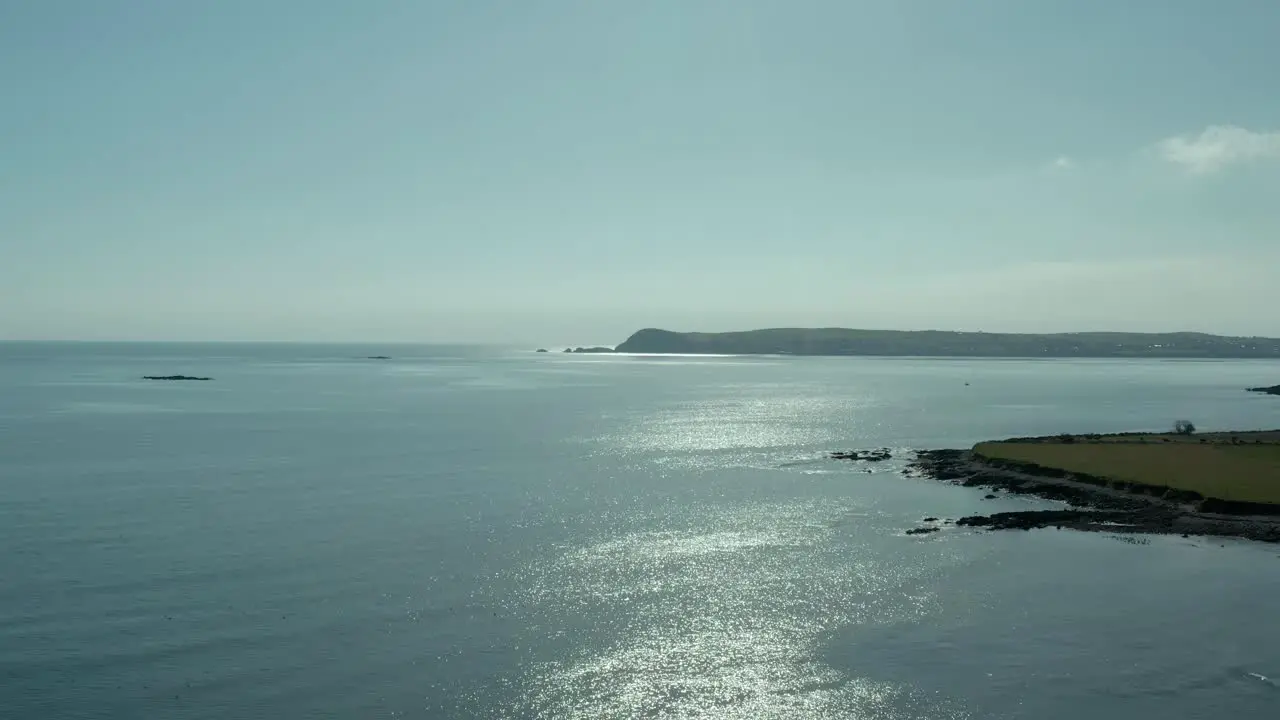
<point x="479" y="533"/>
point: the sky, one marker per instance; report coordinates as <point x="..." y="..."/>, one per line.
<point x="568" y="171"/>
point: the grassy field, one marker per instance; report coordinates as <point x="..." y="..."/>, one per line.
<point x="1228" y="466"/>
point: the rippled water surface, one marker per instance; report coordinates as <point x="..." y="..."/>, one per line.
<point x="481" y="533"/>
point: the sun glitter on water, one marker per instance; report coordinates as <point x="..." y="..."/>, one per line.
<point x="726" y="623"/>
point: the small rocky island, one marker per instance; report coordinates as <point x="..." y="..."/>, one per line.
<point x="1215" y="484"/>
<point x="590" y="350"/>
<point x="1273" y="390"/>
<point x="175" y="377"/>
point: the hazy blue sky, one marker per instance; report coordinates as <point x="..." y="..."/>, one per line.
<point x="555" y="172"/>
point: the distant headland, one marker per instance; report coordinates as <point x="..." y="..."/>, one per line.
<point x="938" y="343"/>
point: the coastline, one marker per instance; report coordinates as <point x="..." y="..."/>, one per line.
<point x="1091" y="506"/>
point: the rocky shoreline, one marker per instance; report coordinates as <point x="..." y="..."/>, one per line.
<point x="1091" y="508"/>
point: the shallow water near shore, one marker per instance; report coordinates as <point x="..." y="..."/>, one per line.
<point x="476" y="533"/>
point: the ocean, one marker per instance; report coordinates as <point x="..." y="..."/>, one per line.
<point x="463" y="532"/>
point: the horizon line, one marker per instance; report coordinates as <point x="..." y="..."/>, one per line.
<point x="519" y="343"/>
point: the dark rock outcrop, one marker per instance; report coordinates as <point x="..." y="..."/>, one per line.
<point x="1028" y="519"/>
<point x="1237" y="507"/>
<point x="1273" y="390"/>
<point x="174" y="377"/>
<point x="862" y="455"/>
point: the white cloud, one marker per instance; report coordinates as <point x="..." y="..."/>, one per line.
<point x="1062" y="162"/>
<point x="1219" y="146"/>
